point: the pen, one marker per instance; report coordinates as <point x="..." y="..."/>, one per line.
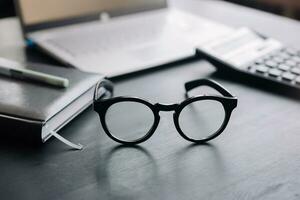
<point x="16" y="70"/>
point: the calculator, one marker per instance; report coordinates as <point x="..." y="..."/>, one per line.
<point x="255" y="55"/>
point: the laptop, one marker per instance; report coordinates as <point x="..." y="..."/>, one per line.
<point x="114" y="37"/>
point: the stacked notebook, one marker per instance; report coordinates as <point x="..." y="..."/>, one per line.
<point x="38" y="111"/>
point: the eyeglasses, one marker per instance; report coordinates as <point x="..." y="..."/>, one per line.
<point x="131" y="120"/>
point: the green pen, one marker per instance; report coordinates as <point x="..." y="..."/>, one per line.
<point x="15" y="70"/>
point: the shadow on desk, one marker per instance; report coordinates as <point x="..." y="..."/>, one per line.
<point x="116" y="177"/>
<point x="127" y="172"/>
<point x="14" y="142"/>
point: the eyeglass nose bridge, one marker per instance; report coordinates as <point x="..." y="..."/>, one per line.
<point x="166" y="107"/>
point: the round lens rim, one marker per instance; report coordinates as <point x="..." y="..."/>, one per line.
<point x="226" y="102"/>
<point x="112" y="101"/>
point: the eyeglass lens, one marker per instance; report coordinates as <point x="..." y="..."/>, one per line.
<point x="129" y="121"/>
<point x="201" y="119"/>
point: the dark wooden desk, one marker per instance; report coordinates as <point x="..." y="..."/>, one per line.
<point x="257" y="157"/>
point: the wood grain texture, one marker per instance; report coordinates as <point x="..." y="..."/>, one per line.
<point x="257" y="157"/>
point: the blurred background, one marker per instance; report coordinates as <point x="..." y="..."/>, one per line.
<point x="289" y="8"/>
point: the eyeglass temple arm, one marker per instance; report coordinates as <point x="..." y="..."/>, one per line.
<point x="104" y="89"/>
<point x="206" y="82"/>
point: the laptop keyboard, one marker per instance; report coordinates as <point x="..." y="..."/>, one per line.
<point x="102" y="39"/>
<point x="129" y="43"/>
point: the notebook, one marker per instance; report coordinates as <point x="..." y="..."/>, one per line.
<point x="37" y="111"/>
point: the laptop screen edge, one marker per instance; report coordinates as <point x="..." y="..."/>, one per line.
<point x="26" y="29"/>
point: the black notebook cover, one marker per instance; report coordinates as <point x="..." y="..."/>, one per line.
<point x="26" y="106"/>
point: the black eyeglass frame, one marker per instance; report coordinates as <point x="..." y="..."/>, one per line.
<point x="228" y="101"/>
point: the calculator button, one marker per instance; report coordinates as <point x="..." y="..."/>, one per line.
<point x="295" y="70"/>
<point x="259" y="61"/>
<point x="290" y="63"/>
<point x="275" y="72"/>
<point x="287" y="76"/>
<point x="271" y="63"/>
<point x="296" y="59"/>
<point x="290" y="51"/>
<point x="278" y="59"/>
<point x="284" y="67"/>
<point x="267" y="57"/>
<point x="298" y="80"/>
<point x="284" y="56"/>
<point x="261" y="69"/>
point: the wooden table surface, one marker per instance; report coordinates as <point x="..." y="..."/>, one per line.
<point x="257" y="157"/>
